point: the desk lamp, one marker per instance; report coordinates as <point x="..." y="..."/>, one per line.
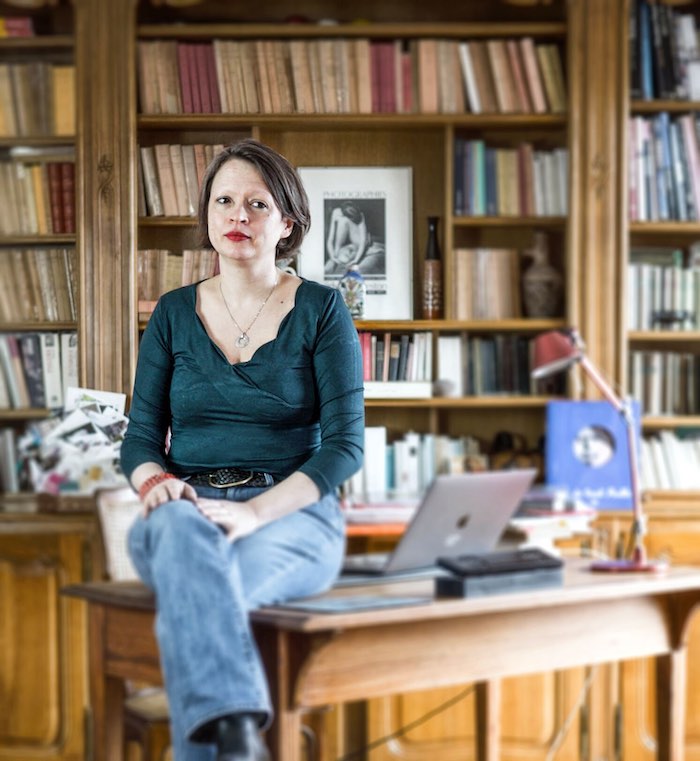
<point x="556" y="351"/>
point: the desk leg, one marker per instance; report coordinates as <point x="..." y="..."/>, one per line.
<point x="284" y="736"/>
<point x="488" y="720"/>
<point x="671" y="704"/>
<point x="279" y="656"/>
<point x="107" y="696"/>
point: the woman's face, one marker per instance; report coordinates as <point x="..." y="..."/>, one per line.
<point x="244" y="220"/>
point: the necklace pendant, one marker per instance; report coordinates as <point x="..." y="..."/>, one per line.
<point x="242" y="341"/>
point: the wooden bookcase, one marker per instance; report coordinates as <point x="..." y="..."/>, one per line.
<point x="591" y="243"/>
<point x="654" y="229"/>
<point x="672" y="514"/>
<point x="37" y="137"/>
<point x="42" y="634"/>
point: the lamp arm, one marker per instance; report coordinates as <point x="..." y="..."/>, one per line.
<point x="639" y="522"/>
<point x="601" y="384"/>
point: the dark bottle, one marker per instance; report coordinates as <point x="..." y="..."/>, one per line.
<point x="432" y="274"/>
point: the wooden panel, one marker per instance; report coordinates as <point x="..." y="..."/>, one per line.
<point x="28" y="643"/>
<point x="42" y="647"/>
<point x="106" y="98"/>
<point x="597" y="214"/>
<point x="444" y="726"/>
<point x="678" y="537"/>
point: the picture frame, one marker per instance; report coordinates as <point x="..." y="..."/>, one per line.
<point x="362" y="216"/>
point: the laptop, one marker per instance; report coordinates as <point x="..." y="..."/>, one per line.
<point x="464" y="513"/>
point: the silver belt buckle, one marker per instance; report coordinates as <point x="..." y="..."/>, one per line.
<point x="217" y="479"/>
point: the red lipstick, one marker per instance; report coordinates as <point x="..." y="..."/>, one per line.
<point x="236" y="236"/>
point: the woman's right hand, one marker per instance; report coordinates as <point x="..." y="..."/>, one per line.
<point x="166" y="491"/>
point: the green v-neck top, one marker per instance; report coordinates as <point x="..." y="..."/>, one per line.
<point x="297" y="404"/>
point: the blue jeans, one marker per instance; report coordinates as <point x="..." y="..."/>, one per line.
<point x="205" y="587"/>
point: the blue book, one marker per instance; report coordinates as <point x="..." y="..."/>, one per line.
<point x="677" y="174"/>
<point x="459" y="179"/>
<point x="587" y="454"/>
<point x="490" y="183"/>
<point x="645" y="50"/>
<point x="662" y="155"/>
<point x="478" y="178"/>
<point x="468" y="171"/>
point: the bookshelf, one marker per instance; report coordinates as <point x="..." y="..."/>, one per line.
<point x="39" y="280"/>
<point x="40" y="276"/>
<point x="662" y="228"/>
<point x="660" y="356"/>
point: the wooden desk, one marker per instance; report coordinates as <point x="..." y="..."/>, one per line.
<point x="315" y="660"/>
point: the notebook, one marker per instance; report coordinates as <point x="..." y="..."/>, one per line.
<point x="459" y="514"/>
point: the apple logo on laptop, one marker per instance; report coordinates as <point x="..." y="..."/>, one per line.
<point x="454" y="537"/>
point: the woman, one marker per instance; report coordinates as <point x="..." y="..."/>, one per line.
<point x="254" y="378"/>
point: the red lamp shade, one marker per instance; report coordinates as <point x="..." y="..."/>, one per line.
<point x="554" y="352"/>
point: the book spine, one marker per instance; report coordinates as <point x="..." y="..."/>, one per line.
<point x="30" y="350"/>
<point x="185" y="77"/>
<point x="51" y="366"/>
<point x="70" y="372"/>
<point x="67" y="169"/>
<point x="56" y="197"/>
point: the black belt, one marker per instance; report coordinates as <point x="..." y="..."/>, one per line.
<point x="223" y="478"/>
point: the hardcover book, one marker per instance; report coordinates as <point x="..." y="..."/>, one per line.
<point x="586" y="452"/>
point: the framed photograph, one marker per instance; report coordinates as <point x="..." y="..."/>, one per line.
<point x="362" y="217"/>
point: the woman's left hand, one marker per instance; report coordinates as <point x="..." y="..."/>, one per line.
<point x="238" y="519"/>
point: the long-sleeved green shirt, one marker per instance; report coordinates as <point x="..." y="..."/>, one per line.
<point x="297" y="404"/>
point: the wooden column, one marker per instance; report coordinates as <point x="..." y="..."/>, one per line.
<point x="105" y="57"/>
<point x="597" y="121"/>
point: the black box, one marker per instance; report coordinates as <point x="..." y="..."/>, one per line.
<point x="498" y="572"/>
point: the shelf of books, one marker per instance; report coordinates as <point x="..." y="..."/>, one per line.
<point x="663" y="259"/>
<point x="38" y="260"/>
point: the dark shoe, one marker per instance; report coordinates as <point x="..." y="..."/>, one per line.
<point x="238" y="738"/>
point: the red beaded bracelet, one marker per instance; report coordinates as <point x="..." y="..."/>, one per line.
<point x="152" y="481"/>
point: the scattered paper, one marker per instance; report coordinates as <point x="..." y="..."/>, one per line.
<point x="78" y="451"/>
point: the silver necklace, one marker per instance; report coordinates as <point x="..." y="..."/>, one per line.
<point x="244" y="339"/>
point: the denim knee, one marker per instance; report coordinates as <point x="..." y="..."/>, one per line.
<point x="169" y="525"/>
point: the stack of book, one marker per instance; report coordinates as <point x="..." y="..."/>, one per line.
<point x="668" y="461"/>
<point x="362" y="76"/>
<point x="396" y="473"/>
<point x="665" y="382"/>
<point x="664" y="168"/>
<point x="38" y="284"/>
<point x="663" y="293"/>
<point x="38" y="194"/>
<point x="160" y="271"/>
<point x="37" y="99"/>
<point x="664" y="52"/>
<point x="37" y="368"/>
<point x="170" y="177"/>
<point x="515" y="181"/>
<point x="397" y="365"/>
<point x="485" y="365"/>
<point x="487" y="284"/>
